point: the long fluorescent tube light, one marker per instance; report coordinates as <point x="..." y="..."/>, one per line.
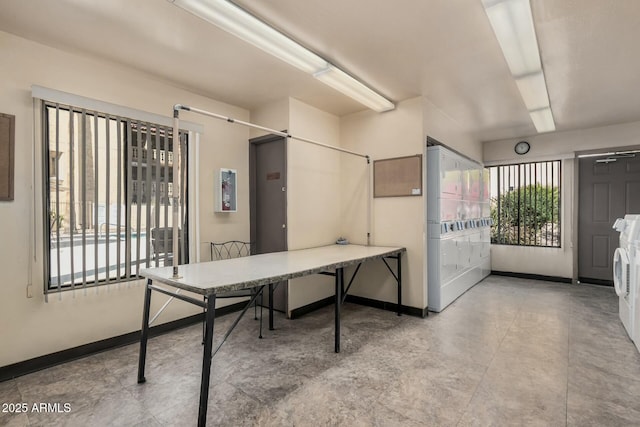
<point x="247" y="27"/>
<point x="237" y="21"/>
<point x="543" y="120"/>
<point x="342" y="82"/>
<point x="533" y="90"/>
<point x="512" y="23"/>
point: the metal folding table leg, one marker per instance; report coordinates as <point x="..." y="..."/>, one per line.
<point x="339" y="284"/>
<point x="397" y="276"/>
<point x="399" y="283"/>
<point x="145" y="333"/>
<point x="271" y="306"/>
<point x="206" y="361"/>
<point x="261" y="302"/>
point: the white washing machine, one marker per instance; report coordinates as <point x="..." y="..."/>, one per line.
<point x="625" y="279"/>
<point x="635" y="272"/>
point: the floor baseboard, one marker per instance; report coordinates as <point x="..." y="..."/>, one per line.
<point x="389" y="306"/>
<point x="49" y="360"/>
<point x="305" y="309"/>
<point x="532" y="276"/>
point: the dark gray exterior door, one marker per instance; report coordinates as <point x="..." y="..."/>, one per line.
<point x="606" y="191"/>
<point x="268" y="175"/>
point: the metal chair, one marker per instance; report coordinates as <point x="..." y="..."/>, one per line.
<point x="230" y="249"/>
<point x="236" y="249"/>
<point x="162" y="246"/>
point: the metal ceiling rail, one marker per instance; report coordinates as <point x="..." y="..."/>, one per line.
<point x="176" y="199"/>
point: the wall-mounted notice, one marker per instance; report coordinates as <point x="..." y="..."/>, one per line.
<point x="7" y="147"/>
<point x="398" y="177"/>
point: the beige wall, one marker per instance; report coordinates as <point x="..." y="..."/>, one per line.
<point x="560" y="145"/>
<point x="447" y="131"/>
<point x="313" y="199"/>
<point x="274" y="115"/>
<point x="313" y="210"/>
<point x="564" y="144"/>
<point x="328" y="191"/>
<point x="313" y="185"/>
<point x="30" y="327"/>
<point x="396" y="221"/>
<point x="327" y="196"/>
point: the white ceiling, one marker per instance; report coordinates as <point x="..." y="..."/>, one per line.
<point x="442" y="49"/>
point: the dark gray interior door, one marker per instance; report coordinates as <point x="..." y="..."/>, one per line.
<point x="268" y="174"/>
<point x="606" y="191"/>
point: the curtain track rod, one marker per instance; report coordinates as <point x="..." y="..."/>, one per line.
<point x="178" y="107"/>
<point x="176" y="198"/>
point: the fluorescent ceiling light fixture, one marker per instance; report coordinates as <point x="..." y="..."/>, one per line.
<point x="237" y="21"/>
<point x="534" y="91"/>
<point x="543" y="120"/>
<point x="342" y="82"/>
<point x="247" y="27"/>
<point x="512" y="23"/>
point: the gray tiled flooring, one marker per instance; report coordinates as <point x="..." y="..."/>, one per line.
<point x="509" y="352"/>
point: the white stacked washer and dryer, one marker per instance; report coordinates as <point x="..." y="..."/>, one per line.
<point x="459" y="225"/>
<point x="635" y="273"/>
<point x="626" y="274"/>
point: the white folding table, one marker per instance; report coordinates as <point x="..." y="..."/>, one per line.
<point x="254" y="273"/>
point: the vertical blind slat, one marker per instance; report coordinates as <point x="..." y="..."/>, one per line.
<point x="58" y="216"/>
<point x="96" y="187"/>
<point x="182" y="159"/>
<point x="165" y="234"/>
<point x="107" y="215"/>
<point x="148" y="193"/>
<point x="118" y="198"/>
<point x="141" y="158"/>
<point x="72" y="207"/>
<point x="129" y="196"/>
<point x="158" y="187"/>
<point x="83" y="168"/>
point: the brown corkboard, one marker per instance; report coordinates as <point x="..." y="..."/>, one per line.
<point x="7" y="152"/>
<point x="398" y="177"/>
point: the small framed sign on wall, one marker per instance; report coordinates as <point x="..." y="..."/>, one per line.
<point x="7" y="154"/>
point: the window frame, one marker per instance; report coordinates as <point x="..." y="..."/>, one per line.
<point x="50" y="183"/>
<point x="552" y="167"/>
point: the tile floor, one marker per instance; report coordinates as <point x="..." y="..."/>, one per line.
<point x="508" y="352"/>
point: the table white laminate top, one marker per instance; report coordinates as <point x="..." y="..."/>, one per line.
<point x="213" y="277"/>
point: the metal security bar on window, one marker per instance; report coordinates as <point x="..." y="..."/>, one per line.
<point x="108" y="194"/>
<point x="525" y="204"/>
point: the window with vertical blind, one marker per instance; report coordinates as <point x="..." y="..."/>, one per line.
<point x="108" y="194"/>
<point x="525" y="204"/>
